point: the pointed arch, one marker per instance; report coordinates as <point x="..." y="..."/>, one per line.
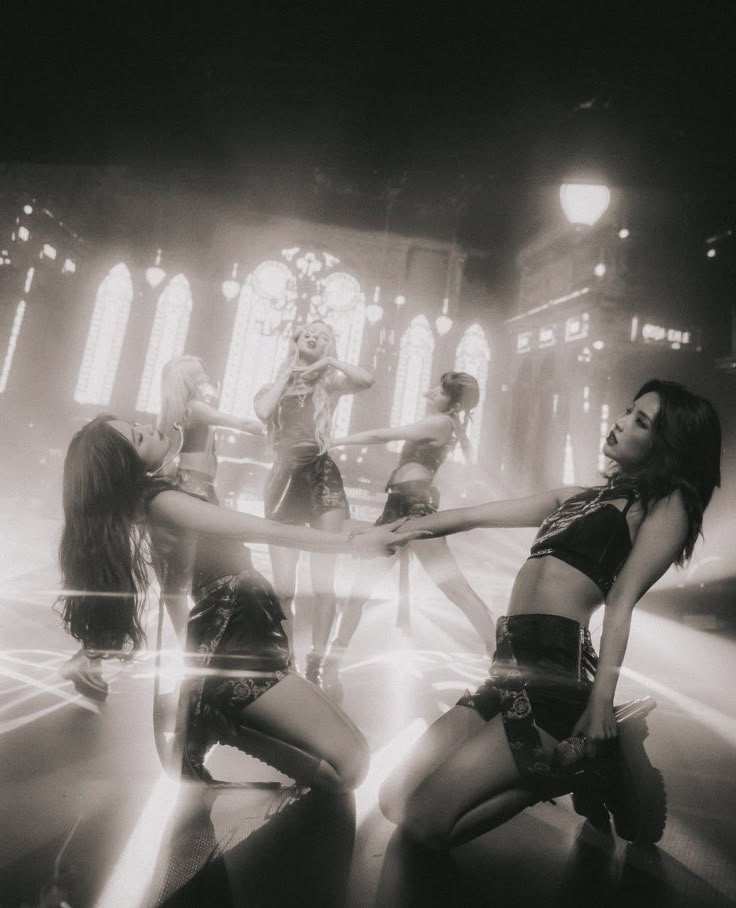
<point x="473" y="356"/>
<point x="413" y="374"/>
<point x="105" y="337"/>
<point x="168" y="336"/>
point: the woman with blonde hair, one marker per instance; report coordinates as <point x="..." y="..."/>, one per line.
<point x="411" y="493"/>
<point x="305" y="486"/>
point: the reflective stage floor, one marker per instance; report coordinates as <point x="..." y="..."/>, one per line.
<point x="86" y="805"/>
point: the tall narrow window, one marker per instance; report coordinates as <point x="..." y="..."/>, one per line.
<point x="413" y="374"/>
<point x="473" y="356"/>
<point x="346" y="315"/>
<point x="168" y="336"/>
<point x="105" y="337"/>
<point x="20" y="311"/>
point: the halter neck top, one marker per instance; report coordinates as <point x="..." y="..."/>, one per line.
<point x="589" y="533"/>
<point x="428" y="455"/>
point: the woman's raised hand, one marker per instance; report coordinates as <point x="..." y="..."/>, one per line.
<point x="319" y="366"/>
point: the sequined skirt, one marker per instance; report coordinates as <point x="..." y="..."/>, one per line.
<point x="414" y="498"/>
<point x="302" y="485"/>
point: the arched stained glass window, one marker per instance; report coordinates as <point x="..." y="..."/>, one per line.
<point x="276" y="296"/>
<point x="345" y="313"/>
<point x="105" y="337"/>
<point x="259" y="344"/>
<point x="168" y="336"/>
<point x="473" y="356"/>
<point x="413" y="374"/>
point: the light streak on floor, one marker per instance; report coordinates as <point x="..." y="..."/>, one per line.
<point x="132" y="874"/>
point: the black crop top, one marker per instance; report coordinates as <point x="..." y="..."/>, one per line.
<point x="589" y="533"/>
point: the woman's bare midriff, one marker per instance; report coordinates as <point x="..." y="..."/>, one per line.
<point x="412" y="472"/>
<point x="548" y="586"/>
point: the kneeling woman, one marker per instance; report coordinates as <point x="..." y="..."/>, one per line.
<point x="480" y="762"/>
<point x="112" y="506"/>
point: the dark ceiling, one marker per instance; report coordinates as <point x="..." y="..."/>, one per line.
<point x="443" y="104"/>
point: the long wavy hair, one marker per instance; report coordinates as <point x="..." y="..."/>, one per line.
<point x="686" y="455"/>
<point x="323" y="403"/>
<point x="103" y="546"/>
<point x="182" y="379"/>
<point x="464" y="394"/>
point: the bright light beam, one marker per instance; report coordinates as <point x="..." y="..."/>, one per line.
<point x="131" y="877"/>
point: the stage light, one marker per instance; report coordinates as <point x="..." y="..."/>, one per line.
<point x="711" y="253"/>
<point x="230" y="287"/>
<point x="443" y="322"/>
<point x="599" y="270"/>
<point x="155" y="274"/>
<point x="374" y="313"/>
<point x="400" y="300"/>
<point x="24" y="234"/>
<point x="623" y="233"/>
<point x="584" y="203"/>
<point x="27" y="209"/>
<point x="49" y="251"/>
<point x="29" y="279"/>
<point x="598" y="345"/>
<point x="69" y="267"/>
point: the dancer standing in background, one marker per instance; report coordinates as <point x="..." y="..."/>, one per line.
<point x="411" y="493"/>
<point x="493" y="753"/>
<point x="305" y="486"/>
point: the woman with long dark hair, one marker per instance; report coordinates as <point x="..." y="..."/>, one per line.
<point x="305" y="486"/>
<point x="411" y="493"/>
<point x="494" y="753"/>
<point x="114" y="509"/>
<point x="188" y="419"/>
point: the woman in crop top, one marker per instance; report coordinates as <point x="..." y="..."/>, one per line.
<point x="189" y="403"/>
<point x="305" y="486"/>
<point x="411" y="493"/>
<point x="482" y="761"/>
<point x="238" y="676"/>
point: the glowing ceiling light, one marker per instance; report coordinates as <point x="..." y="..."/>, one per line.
<point x="27" y="209"/>
<point x="230" y="287"/>
<point x="49" y="251"/>
<point x="598" y="345"/>
<point x="400" y="300"/>
<point x="599" y="270"/>
<point x="711" y="253"/>
<point x="374" y="313"/>
<point x="623" y="233"/>
<point x="70" y="266"/>
<point x="584" y="203"/>
<point x="23" y="233"/>
<point x="29" y="279"/>
<point x="155" y="274"/>
<point x="443" y="322"/>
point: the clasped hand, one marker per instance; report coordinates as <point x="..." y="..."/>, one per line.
<point x="381" y="541"/>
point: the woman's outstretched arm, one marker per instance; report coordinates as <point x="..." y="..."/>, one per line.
<point x="202" y="412"/>
<point x="658" y="542"/>
<point x="188" y="514"/>
<point x="435" y="429"/>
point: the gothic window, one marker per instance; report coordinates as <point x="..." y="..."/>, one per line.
<point x="105" y="337"/>
<point x="473" y="356"/>
<point x="413" y="374"/>
<point x="168" y="336"/>
<point x="20" y="311"/>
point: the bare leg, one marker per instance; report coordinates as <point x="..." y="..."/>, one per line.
<point x="369" y="575"/>
<point x="322" y="570"/>
<point x="476" y="787"/>
<point x="298" y="713"/>
<point x="439" y="562"/>
<point x="284" y="563"/>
